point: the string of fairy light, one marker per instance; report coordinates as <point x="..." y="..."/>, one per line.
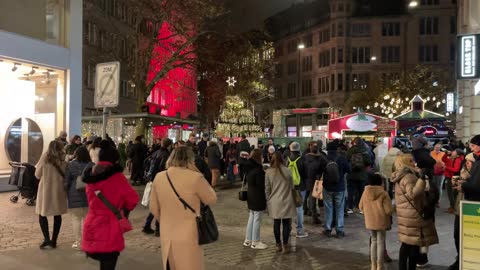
<point x="391" y="106"/>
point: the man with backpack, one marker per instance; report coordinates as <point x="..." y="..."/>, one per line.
<point x="360" y="160"/>
<point x="158" y="163"/>
<point x="296" y="165"/>
<point x="334" y="193"/>
<point x="315" y="163"/>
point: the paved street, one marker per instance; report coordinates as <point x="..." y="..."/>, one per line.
<point x="20" y="236"/>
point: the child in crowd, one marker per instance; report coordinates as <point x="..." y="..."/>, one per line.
<point x="377" y="208"/>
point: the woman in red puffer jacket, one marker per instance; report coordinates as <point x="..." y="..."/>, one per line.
<point x="102" y="236"/>
<point x="453" y="164"/>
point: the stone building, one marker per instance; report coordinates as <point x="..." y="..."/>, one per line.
<point x="325" y="50"/>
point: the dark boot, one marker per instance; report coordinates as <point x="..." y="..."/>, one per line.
<point x="57" y="224"/>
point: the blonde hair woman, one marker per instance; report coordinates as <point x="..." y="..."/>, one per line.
<point x="414" y="230"/>
<point x="178" y="227"/>
<point x="51" y="195"/>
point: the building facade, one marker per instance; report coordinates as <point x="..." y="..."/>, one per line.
<point x="40" y="76"/>
<point x="468" y="104"/>
<point x="326" y="50"/>
<point x="109" y="31"/>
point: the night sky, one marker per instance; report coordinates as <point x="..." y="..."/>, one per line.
<point x="250" y="14"/>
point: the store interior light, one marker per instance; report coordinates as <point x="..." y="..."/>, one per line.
<point x="33" y="70"/>
<point x="15" y="67"/>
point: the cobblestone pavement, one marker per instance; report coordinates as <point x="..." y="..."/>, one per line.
<point x="20" y="236"/>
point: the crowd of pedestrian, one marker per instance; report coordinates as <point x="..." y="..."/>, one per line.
<point x="287" y="183"/>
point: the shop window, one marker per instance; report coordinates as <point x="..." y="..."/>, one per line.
<point x="29" y="128"/>
<point x="292" y="132"/>
<point x="307" y="131"/>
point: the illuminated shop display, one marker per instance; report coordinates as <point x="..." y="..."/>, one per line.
<point x="32" y="108"/>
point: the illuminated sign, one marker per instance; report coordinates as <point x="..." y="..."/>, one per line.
<point x="450" y="102"/>
<point x="468" y="65"/>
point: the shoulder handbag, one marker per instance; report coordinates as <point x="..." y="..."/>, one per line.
<point x="206" y="225"/>
<point x="242" y="194"/>
<point x="125" y="225"/>
<point x="318" y="189"/>
<point x="422" y="213"/>
<point x="146" y="194"/>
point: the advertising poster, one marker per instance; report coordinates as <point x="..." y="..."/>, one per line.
<point x="470" y="235"/>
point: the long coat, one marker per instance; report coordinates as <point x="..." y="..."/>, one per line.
<point x="138" y="154"/>
<point x="411" y="226"/>
<point x="101" y="230"/>
<point x="256" y="200"/>
<point x="51" y="195"/>
<point x="178" y="227"/>
<point x="278" y="191"/>
<point x="76" y="199"/>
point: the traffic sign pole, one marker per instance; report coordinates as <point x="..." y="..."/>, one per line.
<point x="104" y="124"/>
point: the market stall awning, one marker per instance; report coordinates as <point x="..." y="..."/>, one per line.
<point x="419" y="115"/>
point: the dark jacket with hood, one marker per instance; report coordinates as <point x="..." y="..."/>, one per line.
<point x="101" y="229"/>
<point x="158" y="163"/>
<point x="302" y="170"/>
<point x="359" y="174"/>
<point x="256" y="198"/>
<point x="472" y="187"/>
<point x="314" y="167"/>
<point x="76" y="199"/>
<point x="343" y="168"/>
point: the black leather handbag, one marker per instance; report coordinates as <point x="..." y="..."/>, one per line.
<point x="206" y="225"/>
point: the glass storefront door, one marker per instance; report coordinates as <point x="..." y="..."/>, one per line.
<point x="32" y="109"/>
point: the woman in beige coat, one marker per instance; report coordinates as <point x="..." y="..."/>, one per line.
<point x="51" y="195"/>
<point x="178" y="227"/>
<point x="281" y="207"/>
<point x="413" y="230"/>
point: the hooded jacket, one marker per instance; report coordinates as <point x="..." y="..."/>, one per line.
<point x="377" y="208"/>
<point x="101" y="230"/>
<point x="314" y="168"/>
<point x="410" y="199"/>
<point x="388" y="162"/>
<point x="362" y="174"/>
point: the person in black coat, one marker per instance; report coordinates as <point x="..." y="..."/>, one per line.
<point x="471" y="189"/>
<point x="256" y="199"/>
<point x="213" y="155"/>
<point x="138" y="154"/>
<point x="315" y="163"/>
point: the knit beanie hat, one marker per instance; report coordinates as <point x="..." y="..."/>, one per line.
<point x="108" y="153"/>
<point x="295" y="147"/>
<point x="475" y="140"/>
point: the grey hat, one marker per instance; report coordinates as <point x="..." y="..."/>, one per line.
<point x="295" y="147"/>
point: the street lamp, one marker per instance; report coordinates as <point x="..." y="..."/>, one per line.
<point x="413" y="4"/>
<point x="373" y="58"/>
<point x="300" y="47"/>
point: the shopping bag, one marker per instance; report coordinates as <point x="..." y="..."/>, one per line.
<point x="318" y="189"/>
<point x="235" y="169"/>
<point x="146" y="194"/>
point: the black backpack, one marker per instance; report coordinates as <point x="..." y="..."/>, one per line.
<point x="358" y="162"/>
<point x="331" y="175"/>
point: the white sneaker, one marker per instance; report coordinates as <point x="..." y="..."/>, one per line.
<point x="302" y="234"/>
<point x="258" y="245"/>
<point x="76" y="245"/>
<point x="247" y="243"/>
<point x="349" y="211"/>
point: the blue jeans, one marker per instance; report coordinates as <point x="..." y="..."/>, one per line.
<point x="253" y="226"/>
<point x="300" y="213"/>
<point x="230" y="174"/>
<point x="331" y="200"/>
